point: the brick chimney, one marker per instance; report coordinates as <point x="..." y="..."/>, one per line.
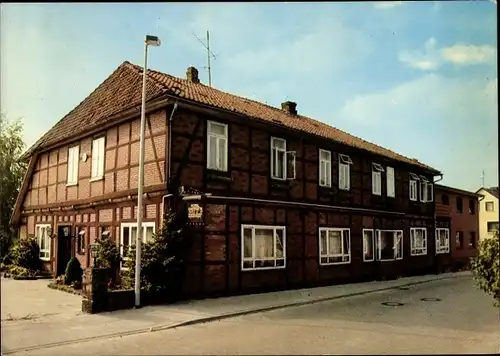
<point x="192" y="75"/>
<point x="290" y="107"/>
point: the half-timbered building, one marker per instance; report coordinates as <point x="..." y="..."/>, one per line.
<point x="277" y="200"/>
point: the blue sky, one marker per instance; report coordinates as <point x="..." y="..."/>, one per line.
<point x="419" y="78"/>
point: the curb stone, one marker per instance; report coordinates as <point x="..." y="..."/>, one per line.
<point x="288" y="305"/>
<point x="203" y="320"/>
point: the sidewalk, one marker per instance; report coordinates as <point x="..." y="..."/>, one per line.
<point x="70" y="328"/>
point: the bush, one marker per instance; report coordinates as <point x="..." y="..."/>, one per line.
<point x="21" y="272"/>
<point x="486" y="267"/>
<point x="73" y="271"/>
<point x="108" y="256"/>
<point x="26" y="253"/>
<point x="162" y="259"/>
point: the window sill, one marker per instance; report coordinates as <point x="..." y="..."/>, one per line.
<point x="45" y="259"/>
<point x="222" y="176"/>
<point x="96" y="179"/>
<point x="372" y="260"/>
<point x="71" y="184"/>
<point x="250" y="269"/>
<point x="334" y="263"/>
<point x="344" y="189"/>
<point x="418" y="254"/>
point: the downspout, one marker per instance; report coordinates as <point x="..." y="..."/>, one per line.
<point x="169" y="155"/>
<point x="435" y="224"/>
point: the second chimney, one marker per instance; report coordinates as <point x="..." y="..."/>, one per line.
<point x="290" y="107"/>
<point x="192" y="75"/>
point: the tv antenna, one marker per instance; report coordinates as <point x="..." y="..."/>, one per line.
<point x="209" y="54"/>
<point x="482" y="178"/>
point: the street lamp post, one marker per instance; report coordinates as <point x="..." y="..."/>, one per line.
<point x="149" y="41"/>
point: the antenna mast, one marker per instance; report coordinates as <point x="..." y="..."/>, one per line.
<point x="209" y="54"/>
<point x="482" y="177"/>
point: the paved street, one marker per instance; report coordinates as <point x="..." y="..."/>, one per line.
<point x="463" y="320"/>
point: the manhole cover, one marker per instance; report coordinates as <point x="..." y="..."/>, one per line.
<point x="430" y="299"/>
<point x="392" y="304"/>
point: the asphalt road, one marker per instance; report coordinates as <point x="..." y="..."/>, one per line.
<point x="461" y="320"/>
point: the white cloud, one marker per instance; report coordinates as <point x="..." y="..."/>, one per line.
<point x="435" y="119"/>
<point x="432" y="58"/>
<point x="387" y="4"/>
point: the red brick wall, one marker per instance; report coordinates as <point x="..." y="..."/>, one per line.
<point x="249" y="168"/>
<point x="48" y="182"/>
<point x="465" y="222"/>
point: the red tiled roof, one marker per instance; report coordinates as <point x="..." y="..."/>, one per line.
<point x="493" y="191"/>
<point x="109" y="99"/>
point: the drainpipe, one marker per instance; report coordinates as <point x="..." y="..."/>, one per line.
<point x="435" y="224"/>
<point x="169" y="153"/>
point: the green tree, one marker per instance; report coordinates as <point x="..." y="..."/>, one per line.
<point x="162" y="260"/>
<point x="486" y="267"/>
<point x="11" y="176"/>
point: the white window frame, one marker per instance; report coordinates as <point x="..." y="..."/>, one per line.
<point x="145" y="224"/>
<point x="414" y="179"/>
<point x="98" y="158"/>
<point x="288" y="157"/>
<point x="325" y="168"/>
<point x="395" y="245"/>
<point x="219" y="166"/>
<point x="486" y="206"/>
<point x="426" y="190"/>
<point x="73" y="163"/>
<point x="418" y="250"/>
<point x="327" y="255"/>
<point x="377" y="170"/>
<point x="344" y="172"/>
<point x="390" y="182"/>
<point x="44" y="254"/>
<point x="365" y="247"/>
<point x="253" y="259"/>
<point x="442" y="249"/>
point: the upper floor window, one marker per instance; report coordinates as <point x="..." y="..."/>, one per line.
<point x="389" y="245"/>
<point x="217" y="146"/>
<point x="445" y="199"/>
<point x="263" y="247"/>
<point x="377" y="170"/>
<point x="282" y="161"/>
<point x="344" y="172"/>
<point x="472" y="206"/>
<point x="418" y="241"/>
<point x="489" y="206"/>
<point x="325" y="168"/>
<point x="426" y="190"/>
<point x="98" y="158"/>
<point x="368" y="245"/>
<point x="413" y="186"/>
<point x="459" y="204"/>
<point x="391" y="186"/>
<point x="442" y="240"/>
<point x="73" y="160"/>
<point x="334" y="246"/>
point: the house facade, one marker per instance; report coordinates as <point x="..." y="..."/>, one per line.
<point x="488" y="212"/>
<point x="276" y="200"/>
<point x="457" y="212"/>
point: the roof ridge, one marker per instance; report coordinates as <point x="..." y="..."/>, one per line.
<point x="298" y="116"/>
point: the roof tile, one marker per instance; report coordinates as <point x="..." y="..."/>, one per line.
<point x="122" y="90"/>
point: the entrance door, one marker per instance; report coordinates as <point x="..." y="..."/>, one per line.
<point x="63" y="248"/>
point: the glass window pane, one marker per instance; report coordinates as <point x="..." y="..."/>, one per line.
<point x="212" y="159"/>
<point x="334" y="243"/>
<point x="149" y="233"/>
<point x="279" y="243"/>
<point x="264" y="243"/>
<point x="222" y="154"/>
<point x="126" y="237"/>
<point x="324" y="250"/>
<point x="217" y="129"/>
<point x="280" y="144"/>
<point x="247" y="243"/>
